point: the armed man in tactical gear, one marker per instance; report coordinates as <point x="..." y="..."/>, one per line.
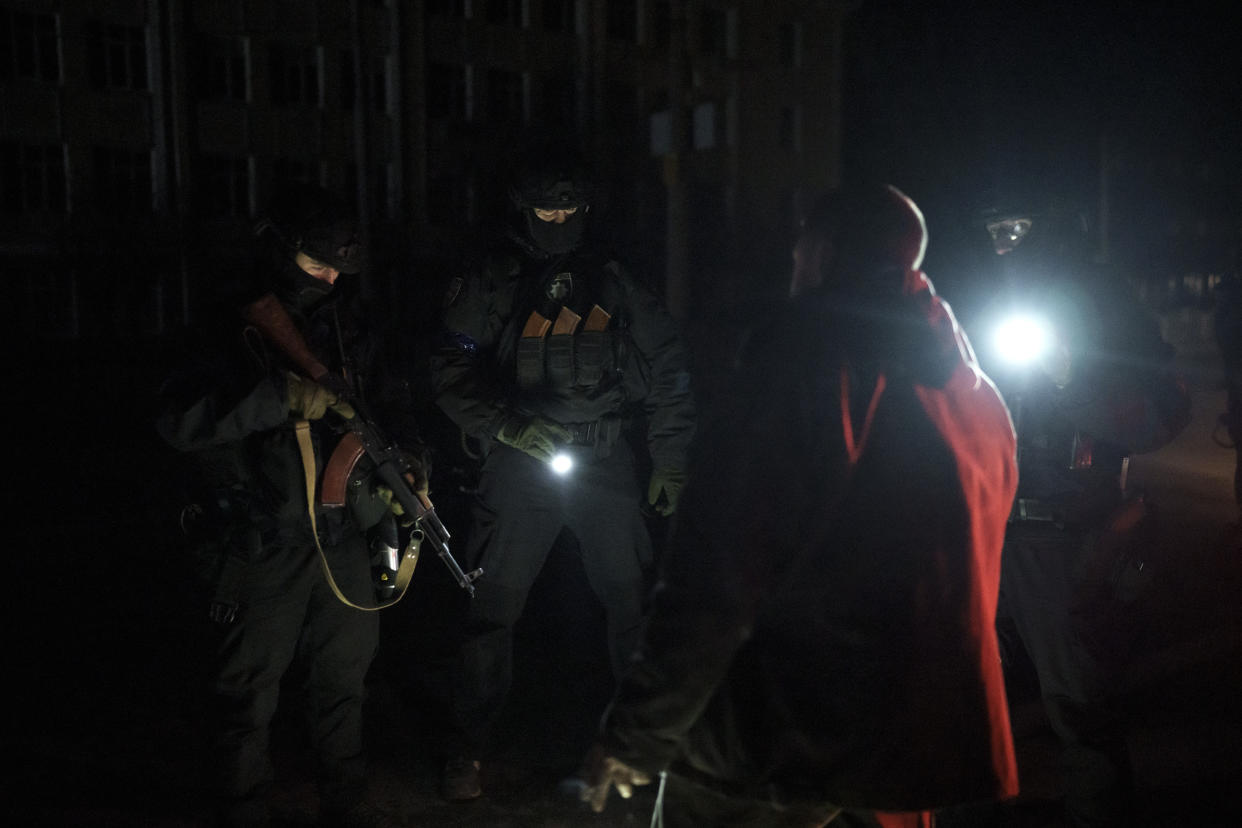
<point x="553" y="353"/>
<point x="258" y="432"/>
<point x="1089" y="381"/>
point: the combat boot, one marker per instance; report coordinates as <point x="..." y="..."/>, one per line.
<point x="460" y="782"/>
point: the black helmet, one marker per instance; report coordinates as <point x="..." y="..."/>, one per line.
<point x="314" y="221"/>
<point x="552" y="177"/>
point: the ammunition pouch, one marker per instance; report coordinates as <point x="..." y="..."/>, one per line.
<point x="564" y="355"/>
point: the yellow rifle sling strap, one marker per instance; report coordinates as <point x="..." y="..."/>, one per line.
<point x="409" y="558"/>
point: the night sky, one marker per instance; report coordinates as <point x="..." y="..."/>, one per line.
<point x="960" y="103"/>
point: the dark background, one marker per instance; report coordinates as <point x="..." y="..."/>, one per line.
<point x="956" y="103"/>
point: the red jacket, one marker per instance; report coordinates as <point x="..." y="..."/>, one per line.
<point x="824" y="626"/>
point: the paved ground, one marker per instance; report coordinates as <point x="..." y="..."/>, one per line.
<point x="104" y="720"/>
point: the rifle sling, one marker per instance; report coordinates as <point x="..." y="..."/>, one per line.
<point x="405" y="570"/>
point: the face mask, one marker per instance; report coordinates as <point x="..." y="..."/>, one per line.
<point x="301" y="288"/>
<point x="552" y="237"/>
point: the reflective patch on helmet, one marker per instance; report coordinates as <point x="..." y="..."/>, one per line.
<point x="561" y="287"/>
<point x="453" y="290"/>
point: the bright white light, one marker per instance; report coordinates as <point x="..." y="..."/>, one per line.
<point x="1022" y="339"/>
<point x="561" y="463"/>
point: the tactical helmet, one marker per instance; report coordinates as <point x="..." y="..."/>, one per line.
<point x="319" y="223"/>
<point x="1037" y="226"/>
<point x="552" y="177"/>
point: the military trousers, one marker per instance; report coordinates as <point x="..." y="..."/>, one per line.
<point x="289" y="615"/>
<point x="521" y="509"/>
<point x="1060" y="614"/>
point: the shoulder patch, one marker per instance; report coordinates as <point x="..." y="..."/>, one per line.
<point x="561" y="287"/>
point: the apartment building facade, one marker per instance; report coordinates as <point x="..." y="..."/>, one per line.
<point x="139" y="139"/>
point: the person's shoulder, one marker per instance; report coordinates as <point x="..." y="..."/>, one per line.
<point x="496" y="261"/>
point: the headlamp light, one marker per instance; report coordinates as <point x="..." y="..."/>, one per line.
<point x="1022" y="339"/>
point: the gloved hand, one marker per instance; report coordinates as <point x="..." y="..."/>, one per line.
<point x="602" y="772"/>
<point x="669" y="482"/>
<point x="385" y="494"/>
<point x="309" y="400"/>
<point x="417" y="478"/>
<point x="536" y="436"/>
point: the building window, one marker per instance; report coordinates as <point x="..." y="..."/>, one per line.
<point x="707" y="125"/>
<point x="447" y="91"/>
<point x="117" y="56"/>
<point x="789" y="41"/>
<point x="224" y="187"/>
<point x="506" y="12"/>
<point x="32" y="178"/>
<point x="622" y="121"/>
<point x="446" y="8"/>
<point x="506" y="96"/>
<point x="661" y="24"/>
<point x="293" y="171"/>
<point x="46" y="299"/>
<point x="790" y="130"/>
<point x="122" y="181"/>
<point x="622" y="20"/>
<point x="379" y="189"/>
<point x="377" y="91"/>
<point x="560" y="16"/>
<point x="558" y="101"/>
<point x="453" y="199"/>
<point x="29" y="45"/>
<point x="713" y="33"/>
<point x="293" y="75"/>
<point x="222" y="70"/>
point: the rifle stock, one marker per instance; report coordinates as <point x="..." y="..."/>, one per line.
<point x="272" y="320"/>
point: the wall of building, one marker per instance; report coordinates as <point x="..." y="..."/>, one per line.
<point x="139" y="139"/>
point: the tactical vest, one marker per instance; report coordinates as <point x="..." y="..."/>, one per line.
<point x="566" y="353"/>
<point x="558" y="350"/>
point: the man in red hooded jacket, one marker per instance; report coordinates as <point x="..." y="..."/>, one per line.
<point x="822" y="635"/>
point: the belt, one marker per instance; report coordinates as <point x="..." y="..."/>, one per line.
<point x="1030" y="509"/>
<point x="583" y="434"/>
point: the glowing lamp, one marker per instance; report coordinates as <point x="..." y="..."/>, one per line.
<point x="561" y="463"/>
<point x="1022" y="339"/>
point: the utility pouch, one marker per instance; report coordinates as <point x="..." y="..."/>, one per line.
<point x="560" y="356"/>
<point x="594" y="355"/>
<point x="560" y="353"/>
<point x="530" y="352"/>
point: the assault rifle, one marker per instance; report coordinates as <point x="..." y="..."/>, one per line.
<point x="363" y="439"/>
